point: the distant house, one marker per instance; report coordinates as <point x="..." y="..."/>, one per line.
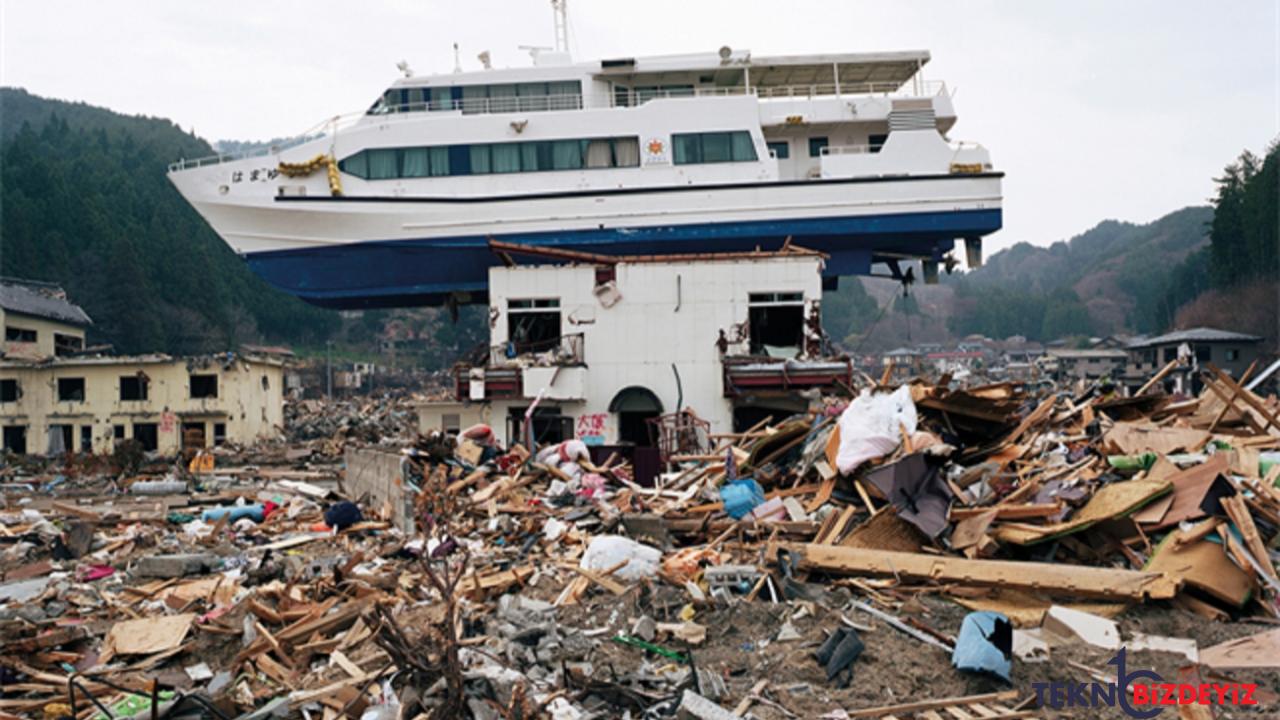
<point x="38" y="320"/>
<point x="1231" y="351"/>
<point x="1087" y="364"/>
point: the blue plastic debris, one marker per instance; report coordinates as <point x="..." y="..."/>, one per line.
<point x="985" y="645"/>
<point x="741" y="496"/>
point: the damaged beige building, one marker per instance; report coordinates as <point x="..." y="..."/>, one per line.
<point x="55" y="399"/>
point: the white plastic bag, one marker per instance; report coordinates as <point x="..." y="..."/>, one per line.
<point x="605" y="551"/>
<point x="869" y="426"/>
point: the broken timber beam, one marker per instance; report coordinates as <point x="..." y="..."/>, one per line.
<point x="1053" y="578"/>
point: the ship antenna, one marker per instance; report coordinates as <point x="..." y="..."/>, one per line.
<point x="561" y="10"/>
<point x="457" y="61"/>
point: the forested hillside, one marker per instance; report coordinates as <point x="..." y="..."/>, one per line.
<point x="86" y="204"/>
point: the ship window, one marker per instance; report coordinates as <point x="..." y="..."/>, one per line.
<point x="815" y="146"/>
<point x="357" y="165"/>
<point x="695" y="148"/>
<point x="480" y="159"/>
<point x="439" y="161"/>
<point x="875" y="142"/>
<point x="505" y="158"/>
<point x="533" y="156"/>
<point x="415" y="163"/>
<point x="382" y="164"/>
<point x="780" y="150"/>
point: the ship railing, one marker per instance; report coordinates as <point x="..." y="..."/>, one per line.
<point x="956" y="146"/>
<point x="634" y="97"/>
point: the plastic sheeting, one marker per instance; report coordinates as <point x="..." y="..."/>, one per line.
<point x="869" y="426"/>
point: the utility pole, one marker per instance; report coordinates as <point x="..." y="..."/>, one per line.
<point x="328" y="362"/>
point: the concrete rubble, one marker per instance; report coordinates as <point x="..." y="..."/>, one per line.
<point x="449" y="577"/>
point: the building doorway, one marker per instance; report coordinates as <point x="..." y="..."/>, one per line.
<point x="635" y="407"/>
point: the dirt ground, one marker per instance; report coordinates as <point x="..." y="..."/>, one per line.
<point x="894" y="668"/>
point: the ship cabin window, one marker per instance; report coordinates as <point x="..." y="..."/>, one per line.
<point x="475" y="99"/>
<point x="533" y="325"/>
<point x="713" y="147"/>
<point x="876" y="142"/>
<point x="776" y="323"/>
<point x="815" y="146"/>
<point x="780" y="150"/>
<point x="491" y="158"/>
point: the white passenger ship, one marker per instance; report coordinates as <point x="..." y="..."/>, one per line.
<point x="844" y="153"/>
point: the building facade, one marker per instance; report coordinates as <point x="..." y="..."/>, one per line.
<point x="39" y="321"/>
<point x="87" y="404"/>
<point x="598" y="350"/>
<point x="1233" y="352"/>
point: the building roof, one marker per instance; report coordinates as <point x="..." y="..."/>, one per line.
<point x="43" y="300"/>
<point x="1100" y="353"/>
<point x="1194" y="335"/>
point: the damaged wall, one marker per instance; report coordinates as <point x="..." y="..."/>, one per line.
<point x="668" y="314"/>
<point x="248" y="405"/>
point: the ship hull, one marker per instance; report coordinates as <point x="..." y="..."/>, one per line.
<point x="360" y="252"/>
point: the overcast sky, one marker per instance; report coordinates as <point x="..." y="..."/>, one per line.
<point x="1097" y="109"/>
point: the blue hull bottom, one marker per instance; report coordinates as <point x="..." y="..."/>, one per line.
<point x="426" y="272"/>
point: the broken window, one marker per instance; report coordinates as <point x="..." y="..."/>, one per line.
<point x="70" y="389"/>
<point x="148" y="435"/>
<point x="204" y="386"/>
<point x="67" y="344"/>
<point x="9" y="391"/>
<point x="86" y="438"/>
<point x="1204" y="353"/>
<point x="117" y="432"/>
<point x="15" y="439"/>
<point x="133" y="387"/>
<point x="60" y="438"/>
<point x="776" y="323"/>
<point x="16" y="334"/>
<point x="547" y="425"/>
<point x="533" y="325"/>
<point x="219" y="433"/>
<point x="193" y="435"/>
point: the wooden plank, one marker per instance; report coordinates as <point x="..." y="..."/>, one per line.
<point x="1249" y="398"/>
<point x="1074" y="580"/>
<point x="1243" y="521"/>
<point x="930" y="704"/>
<point x="1168" y="368"/>
<point x="741" y="708"/>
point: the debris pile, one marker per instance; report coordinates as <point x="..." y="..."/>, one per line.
<point x="831" y="564"/>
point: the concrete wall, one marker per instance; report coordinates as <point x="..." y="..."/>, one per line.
<point x="249" y="400"/>
<point x="669" y="314"/>
<point x="378" y="473"/>
<point x="45" y="329"/>
<point x="432" y="415"/>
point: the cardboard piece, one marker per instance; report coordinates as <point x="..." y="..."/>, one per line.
<point x="1255" y="651"/>
<point x="1203" y="565"/>
<point x="147" y="635"/>
<point x="1074" y="625"/>
<point x="1111" y="501"/>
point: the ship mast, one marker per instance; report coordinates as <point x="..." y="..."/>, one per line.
<point x="561" y="11"/>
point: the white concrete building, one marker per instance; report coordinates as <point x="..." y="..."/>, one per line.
<point x="601" y="347"/>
